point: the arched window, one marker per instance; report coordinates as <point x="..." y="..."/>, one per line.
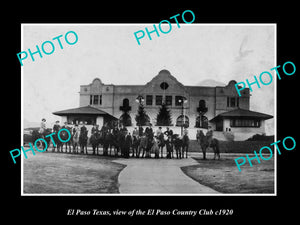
<point x="201" y="122"/>
<point x="125" y="107"/>
<point x="125" y="102"/>
<point x="182" y="121"/>
<point x="202" y="109"/>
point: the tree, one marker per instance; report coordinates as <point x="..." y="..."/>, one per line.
<point x="163" y="117"/>
<point x="141" y="117"/>
<point x="125" y="119"/>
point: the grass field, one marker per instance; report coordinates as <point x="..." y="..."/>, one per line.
<point x="223" y="175"/>
<point x="49" y="172"/>
<point x="68" y="173"/>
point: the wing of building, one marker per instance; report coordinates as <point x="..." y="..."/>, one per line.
<point x="219" y="107"/>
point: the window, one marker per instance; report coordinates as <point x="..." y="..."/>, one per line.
<point x="182" y="121"/>
<point x="149" y="99"/>
<point x="168" y="100"/>
<point x="232" y="101"/>
<point x="100" y="99"/>
<point x="125" y="102"/>
<point x="201" y="122"/>
<point x="95" y="102"/>
<point x="164" y="85"/>
<point x="158" y="99"/>
<point x="245" y="123"/>
<point x="91" y="119"/>
<point x="95" y="99"/>
<point x="125" y="107"/>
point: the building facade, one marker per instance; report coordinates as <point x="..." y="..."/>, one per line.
<point x="196" y="107"/>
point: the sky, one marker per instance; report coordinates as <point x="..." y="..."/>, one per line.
<point x="192" y="53"/>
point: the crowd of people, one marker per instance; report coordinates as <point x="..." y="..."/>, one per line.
<point x="117" y="140"/>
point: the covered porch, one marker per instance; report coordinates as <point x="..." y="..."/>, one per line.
<point x="240" y="123"/>
<point x="87" y="114"/>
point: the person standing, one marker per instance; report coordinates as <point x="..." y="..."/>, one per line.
<point x="169" y="146"/>
<point x="127" y="144"/>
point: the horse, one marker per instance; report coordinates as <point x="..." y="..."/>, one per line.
<point x="185" y="145"/>
<point x="58" y="143"/>
<point x="115" y="141"/>
<point x="203" y="142"/>
<point x="75" y="140"/>
<point x="94" y="141"/>
<point x="64" y="136"/>
<point x="107" y="142"/>
<point x="169" y="147"/>
<point x="208" y="141"/>
<point x="36" y="135"/>
<point x="83" y="138"/>
<point x="213" y="143"/>
<point x="177" y="142"/>
<point x="143" y="143"/>
<point x="135" y="145"/>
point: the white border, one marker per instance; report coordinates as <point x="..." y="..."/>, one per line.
<point x="142" y="24"/>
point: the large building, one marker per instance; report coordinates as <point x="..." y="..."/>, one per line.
<point x="219" y="108"/>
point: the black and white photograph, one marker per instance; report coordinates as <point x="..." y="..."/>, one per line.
<point x="138" y="114"/>
<point x="167" y="114"/>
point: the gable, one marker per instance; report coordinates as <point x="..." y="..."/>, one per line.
<point x="164" y="83"/>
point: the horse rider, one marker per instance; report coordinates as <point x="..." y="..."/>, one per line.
<point x="56" y="127"/>
<point x="94" y="129"/>
<point x="158" y="132"/>
<point x="209" y="136"/>
<point x="42" y="127"/>
<point x="135" y="132"/>
<point x="185" y="132"/>
<point x="66" y="126"/>
<point x="83" y="128"/>
<point x="168" y="132"/>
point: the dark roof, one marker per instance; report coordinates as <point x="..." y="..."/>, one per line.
<point x="87" y="110"/>
<point x="242" y="113"/>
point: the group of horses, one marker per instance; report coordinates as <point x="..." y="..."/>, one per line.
<point x="116" y="142"/>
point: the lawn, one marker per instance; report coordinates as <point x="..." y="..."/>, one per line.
<point x="223" y="175"/>
<point x="69" y="173"/>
